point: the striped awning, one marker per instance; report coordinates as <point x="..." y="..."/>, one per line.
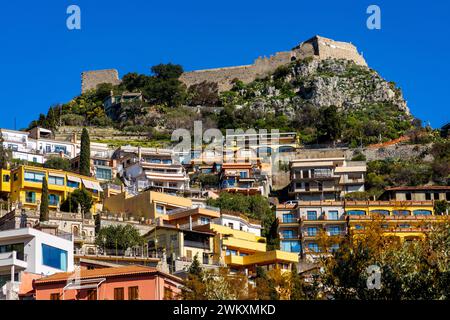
<point x="73" y="178"/>
<point x="93" y="185"/>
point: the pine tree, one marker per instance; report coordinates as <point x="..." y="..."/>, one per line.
<point x="44" y="201"/>
<point x="195" y="269"/>
<point x="85" y="154"/>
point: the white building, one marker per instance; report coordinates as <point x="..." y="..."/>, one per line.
<point x="37" y="145"/>
<point x="32" y="251"/>
<point x="240" y="222"/>
<point x="151" y="168"/>
<point x="326" y="178"/>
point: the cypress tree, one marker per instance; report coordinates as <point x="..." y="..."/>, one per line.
<point x="85" y="154"/>
<point x="296" y="285"/>
<point x="44" y="201"/>
<point x="4" y="154"/>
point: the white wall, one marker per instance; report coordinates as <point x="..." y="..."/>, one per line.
<point x="30" y="157"/>
<point x="237" y="223"/>
<point x="33" y="240"/>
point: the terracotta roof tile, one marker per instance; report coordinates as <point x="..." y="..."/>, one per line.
<point x="97" y="273"/>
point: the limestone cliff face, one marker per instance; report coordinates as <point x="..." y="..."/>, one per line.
<point x="322" y="83"/>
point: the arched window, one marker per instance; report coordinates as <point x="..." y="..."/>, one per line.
<point x="422" y="212"/>
<point x="75" y="231"/>
<point x="401" y="212"/>
<point x="380" y="212"/>
<point x="356" y="212"/>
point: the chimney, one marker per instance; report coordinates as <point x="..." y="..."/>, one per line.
<point x="74" y="137"/>
<point x="139" y="154"/>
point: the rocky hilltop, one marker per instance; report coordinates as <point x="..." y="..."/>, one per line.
<point x="321" y="83"/>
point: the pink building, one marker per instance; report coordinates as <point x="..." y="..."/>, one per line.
<point x="118" y="283"/>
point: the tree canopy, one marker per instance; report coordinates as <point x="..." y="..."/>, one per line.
<point x="121" y="237"/>
<point x="78" y="197"/>
<point x="58" y="163"/>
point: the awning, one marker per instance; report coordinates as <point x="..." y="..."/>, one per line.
<point x="74" y="179"/>
<point x="92" y="185"/>
<point x="59" y="175"/>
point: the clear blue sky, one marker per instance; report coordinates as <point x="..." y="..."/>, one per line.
<point x="41" y="60"/>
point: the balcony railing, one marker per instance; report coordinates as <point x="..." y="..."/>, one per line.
<point x="13" y="255"/>
<point x="289" y="236"/>
<point x="196" y="244"/>
<point x="289" y="220"/>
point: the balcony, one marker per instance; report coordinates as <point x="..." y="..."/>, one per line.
<point x="286" y="222"/>
<point x="16" y="259"/>
<point x="262" y="258"/>
<point x="85" y="239"/>
<point x="313" y="189"/>
<point x="315" y="176"/>
<point x="196" y="244"/>
<point x="249" y="245"/>
<point x="336" y="233"/>
<point x="346" y="180"/>
<point x="323" y="219"/>
<point x="289" y="236"/>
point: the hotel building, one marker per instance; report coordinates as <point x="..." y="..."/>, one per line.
<point x="151" y="168"/>
<point x="305" y="227"/>
<point x="245" y="178"/>
<point x="325" y="178"/>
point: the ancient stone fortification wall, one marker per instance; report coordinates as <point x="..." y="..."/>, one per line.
<point x="90" y="79"/>
<point x="328" y="48"/>
<point x="223" y="76"/>
<point x="318" y="47"/>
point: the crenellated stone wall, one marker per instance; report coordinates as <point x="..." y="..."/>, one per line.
<point x="316" y="47"/>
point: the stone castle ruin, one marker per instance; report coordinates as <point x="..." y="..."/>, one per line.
<point x="91" y="79"/>
<point x="316" y="47"/>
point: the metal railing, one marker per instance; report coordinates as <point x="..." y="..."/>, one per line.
<point x="196" y="244"/>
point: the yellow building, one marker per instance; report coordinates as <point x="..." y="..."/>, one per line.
<point x="305" y="225"/>
<point x="23" y="185"/>
<point x="149" y="205"/>
<point x="244" y="251"/>
<point x="401" y="220"/>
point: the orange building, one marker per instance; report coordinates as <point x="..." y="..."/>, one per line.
<point x="117" y="283"/>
